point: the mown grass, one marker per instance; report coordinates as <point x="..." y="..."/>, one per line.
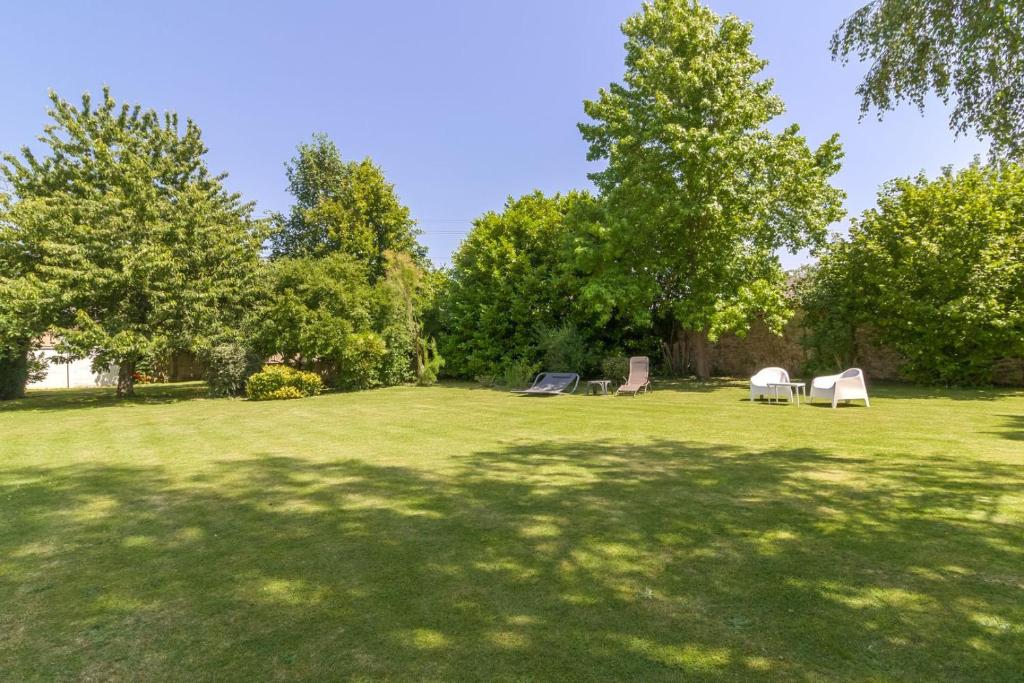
<point x="457" y="533"/>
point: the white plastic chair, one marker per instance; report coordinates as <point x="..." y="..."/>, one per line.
<point x="846" y="386"/>
<point x="759" y="384"/>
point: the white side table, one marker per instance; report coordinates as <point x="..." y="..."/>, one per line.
<point x="797" y="387"/>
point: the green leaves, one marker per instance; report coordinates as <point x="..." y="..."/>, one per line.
<point x="129" y="243"/>
<point x="937" y="271"/>
<point x="969" y="52"/>
<point x="515" y="273"/>
<point x="342" y="206"/>
<point x="700" y="194"/>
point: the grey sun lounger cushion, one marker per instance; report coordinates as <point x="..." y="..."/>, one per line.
<point x="550" y="383"/>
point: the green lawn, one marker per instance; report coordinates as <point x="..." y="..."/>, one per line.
<point x="462" y="533"/>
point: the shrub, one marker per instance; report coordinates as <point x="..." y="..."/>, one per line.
<point x="271" y="381"/>
<point x="428" y="363"/>
<point x="326" y="312"/>
<point x="361" y="358"/>
<point x="513" y="270"/>
<point x="564" y="348"/>
<point x="935" y="272"/>
<point x="227" y="366"/>
<point x="285" y="393"/>
<point x="14" y="372"/>
<point x="615" y="368"/>
<point x="519" y="373"/>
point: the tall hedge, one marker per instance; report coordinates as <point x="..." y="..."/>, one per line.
<point x="936" y="272"/>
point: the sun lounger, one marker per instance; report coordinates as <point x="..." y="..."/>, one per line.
<point x="639" y="376"/>
<point x="551" y="384"/>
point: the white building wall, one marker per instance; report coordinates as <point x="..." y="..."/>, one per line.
<point x="74" y="374"/>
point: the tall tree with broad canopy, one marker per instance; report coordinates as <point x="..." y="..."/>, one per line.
<point x="342" y="206"/>
<point x="137" y="248"/>
<point x="968" y="52"/>
<point x="700" y="193"/>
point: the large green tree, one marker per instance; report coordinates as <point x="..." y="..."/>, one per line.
<point x="968" y="52"/>
<point x="136" y="247"/>
<point x="322" y="314"/>
<point x="342" y="206"/>
<point x="701" y="193"/>
<point x="936" y="271"/>
<point x="518" y="278"/>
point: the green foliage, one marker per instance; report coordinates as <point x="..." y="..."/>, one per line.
<point x="360" y="361"/>
<point x="342" y="206"/>
<point x="227" y="367"/>
<point x="615" y="368"/>
<point x="700" y="192"/>
<point x="133" y="247"/>
<point x="322" y="312"/>
<point x="966" y="51"/>
<point x="564" y="349"/>
<point x="513" y="275"/>
<point x="936" y="272"/>
<point x="282" y="382"/>
<point x="429" y="362"/>
<point x="832" y="312"/>
<point x="406" y="296"/>
<point x="518" y="374"/>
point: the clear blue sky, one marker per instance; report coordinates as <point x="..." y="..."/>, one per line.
<point x="461" y="102"/>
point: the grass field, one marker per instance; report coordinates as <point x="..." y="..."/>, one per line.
<point x="459" y="533"/>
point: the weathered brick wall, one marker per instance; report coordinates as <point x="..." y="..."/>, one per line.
<point x="736" y="356"/>
<point x="743" y="356"/>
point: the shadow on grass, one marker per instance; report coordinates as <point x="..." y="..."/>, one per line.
<point x="553" y="560"/>
<point x="1014" y="427"/>
<point x="70" y="399"/>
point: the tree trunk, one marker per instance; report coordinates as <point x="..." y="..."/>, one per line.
<point x="13" y="371"/>
<point x="700" y="354"/>
<point x="126" y="379"/>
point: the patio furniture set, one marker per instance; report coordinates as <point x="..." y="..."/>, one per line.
<point x="772" y="384"/>
<point x="554" y="383"/>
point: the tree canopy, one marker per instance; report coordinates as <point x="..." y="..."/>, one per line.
<point x="510" y="278"/>
<point x="342" y="206"/>
<point x="936" y="271"/>
<point x="700" y="193"/>
<point x="322" y="313"/>
<point x="129" y="244"/>
<point x="968" y="52"/>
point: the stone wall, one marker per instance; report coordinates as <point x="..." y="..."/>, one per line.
<point x="736" y="356"/>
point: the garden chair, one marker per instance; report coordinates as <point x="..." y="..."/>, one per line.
<point x="759" y="384"/>
<point x="846" y="386"/>
<point x="639" y="376"/>
<point x="551" y="384"/>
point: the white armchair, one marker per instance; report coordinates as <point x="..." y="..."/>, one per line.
<point x="759" y="384"/>
<point x="846" y="386"/>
